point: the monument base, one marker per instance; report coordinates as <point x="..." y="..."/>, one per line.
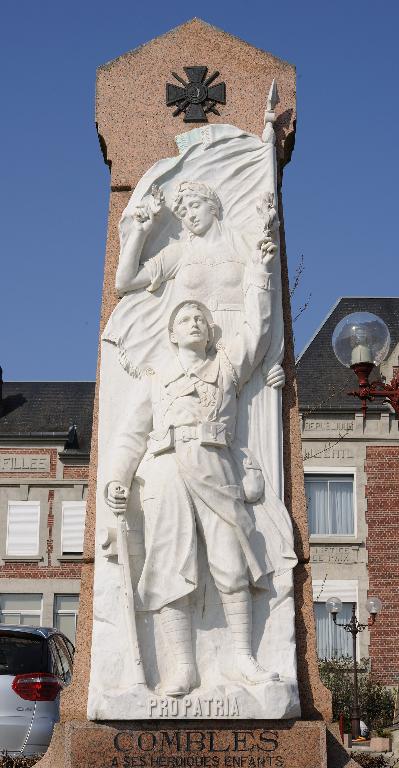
<point x="205" y="744"/>
<point x="272" y="700"/>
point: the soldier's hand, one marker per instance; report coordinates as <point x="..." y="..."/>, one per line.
<point x="267" y="249"/>
<point x="275" y="377"/>
<point x="117" y="496"/>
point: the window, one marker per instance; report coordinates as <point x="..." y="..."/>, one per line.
<point x="332" y="641"/>
<point x="73" y="526"/>
<point x="330" y="504"/>
<point x="60" y="662"/>
<point x="65" y="659"/>
<point x="21" y="609"/>
<point x="66" y="614"/>
<point x="21" y="654"/>
<point x="55" y="661"/>
<point x="23" y="528"/>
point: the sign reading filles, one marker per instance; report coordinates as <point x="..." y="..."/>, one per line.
<point x="193" y="595"/>
<point x="24" y="462"/>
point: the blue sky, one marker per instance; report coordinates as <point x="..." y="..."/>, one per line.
<point x="340" y="190"/>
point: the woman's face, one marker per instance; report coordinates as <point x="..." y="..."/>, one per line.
<point x="196" y="213"/>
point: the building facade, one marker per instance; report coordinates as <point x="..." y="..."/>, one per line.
<point x="351" y="468"/>
<point x="45" y="433"/>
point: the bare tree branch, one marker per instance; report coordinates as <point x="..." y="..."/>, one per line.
<point x="297" y="281"/>
<point x="297" y="277"/>
<point x="327" y="447"/>
<point x="302" y="308"/>
<point x="316" y="600"/>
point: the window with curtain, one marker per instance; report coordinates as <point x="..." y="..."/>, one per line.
<point x="330" y="504"/>
<point x="73" y="526"/>
<point x="23" y="518"/>
<point x="66" y="614"/>
<point x="21" y="609"/>
<point x="332" y="641"/>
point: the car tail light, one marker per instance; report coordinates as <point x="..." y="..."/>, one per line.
<point x="37" y="686"/>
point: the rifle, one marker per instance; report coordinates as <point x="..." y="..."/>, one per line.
<point x="136" y="664"/>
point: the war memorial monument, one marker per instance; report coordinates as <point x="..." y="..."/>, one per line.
<point x="196" y="642"/>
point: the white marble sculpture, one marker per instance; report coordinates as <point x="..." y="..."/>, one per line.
<point x="193" y="596"/>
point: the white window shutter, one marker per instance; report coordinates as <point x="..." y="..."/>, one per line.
<point x="73" y="526"/>
<point x="23" y="528"/>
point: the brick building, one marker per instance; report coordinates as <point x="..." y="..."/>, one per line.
<point x="351" y="470"/>
<point x="45" y="433"/>
<point x="382" y="469"/>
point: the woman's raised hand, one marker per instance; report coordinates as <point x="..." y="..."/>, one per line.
<point x="144" y="215"/>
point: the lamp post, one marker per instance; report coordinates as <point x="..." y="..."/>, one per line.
<point x="334" y="607"/>
<point x="361" y="341"/>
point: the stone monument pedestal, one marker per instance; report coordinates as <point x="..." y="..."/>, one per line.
<point x="204" y="744"/>
<point x="136" y="129"/>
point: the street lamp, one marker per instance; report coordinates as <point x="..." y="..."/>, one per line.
<point x="334" y="606"/>
<point x="361" y="341"/>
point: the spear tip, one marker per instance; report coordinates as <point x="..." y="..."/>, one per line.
<point x="273" y="97"/>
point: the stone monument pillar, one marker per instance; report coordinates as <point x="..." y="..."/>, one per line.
<point x="196" y="641"/>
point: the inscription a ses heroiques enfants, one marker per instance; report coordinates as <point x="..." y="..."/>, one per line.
<point x="196" y="749"/>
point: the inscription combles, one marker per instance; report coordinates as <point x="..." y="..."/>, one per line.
<point x="196" y="749"/>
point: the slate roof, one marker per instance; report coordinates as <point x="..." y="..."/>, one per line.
<point x="322" y="381"/>
<point x="48" y="406"/>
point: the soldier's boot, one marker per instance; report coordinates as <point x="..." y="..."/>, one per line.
<point x="176" y="627"/>
<point x="238" y="610"/>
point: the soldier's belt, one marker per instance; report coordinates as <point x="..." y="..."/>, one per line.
<point x="208" y="433"/>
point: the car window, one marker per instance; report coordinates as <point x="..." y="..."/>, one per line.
<point x="70" y="648"/>
<point x="56" y="666"/>
<point x="21" y="654"/>
<point x="64" y="658"/>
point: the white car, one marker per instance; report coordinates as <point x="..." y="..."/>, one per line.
<point x="35" y="665"/>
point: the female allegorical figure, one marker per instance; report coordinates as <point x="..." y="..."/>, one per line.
<point x="207" y="266"/>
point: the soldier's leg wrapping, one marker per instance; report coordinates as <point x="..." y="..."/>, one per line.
<point x="238" y="609"/>
<point x="176" y="627"/>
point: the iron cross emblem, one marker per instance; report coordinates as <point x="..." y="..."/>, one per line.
<point x="196" y="98"/>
